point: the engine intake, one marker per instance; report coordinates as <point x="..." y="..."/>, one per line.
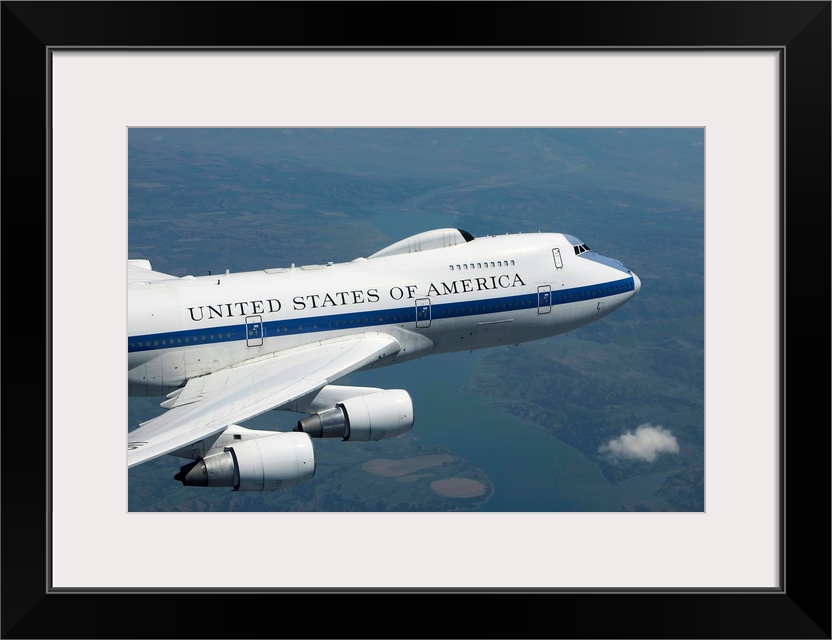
<point x="372" y="417"/>
<point x="274" y="462"/>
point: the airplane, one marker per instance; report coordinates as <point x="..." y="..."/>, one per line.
<point x="222" y="349"/>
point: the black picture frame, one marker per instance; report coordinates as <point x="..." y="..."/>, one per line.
<point x="799" y="31"/>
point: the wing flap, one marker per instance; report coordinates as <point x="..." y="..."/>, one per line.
<point x="209" y="404"/>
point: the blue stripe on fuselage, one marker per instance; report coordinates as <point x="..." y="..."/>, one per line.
<point x="362" y="319"/>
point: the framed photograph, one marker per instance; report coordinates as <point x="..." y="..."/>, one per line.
<point x="93" y="90"/>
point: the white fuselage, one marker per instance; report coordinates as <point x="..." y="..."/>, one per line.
<point x="490" y="291"/>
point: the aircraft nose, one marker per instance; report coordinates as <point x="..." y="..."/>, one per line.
<point x="636" y="283"/>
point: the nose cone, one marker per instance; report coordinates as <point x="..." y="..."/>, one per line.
<point x="636" y="283"/>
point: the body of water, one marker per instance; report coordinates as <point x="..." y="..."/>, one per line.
<point x="530" y="469"/>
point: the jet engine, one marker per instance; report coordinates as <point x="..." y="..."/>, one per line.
<point x="371" y="417"/>
<point x="277" y="461"/>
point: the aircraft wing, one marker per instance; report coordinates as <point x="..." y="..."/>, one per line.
<point x="209" y="404"/>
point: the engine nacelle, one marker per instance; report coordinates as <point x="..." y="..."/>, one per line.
<point x="372" y="417"/>
<point x="278" y="461"/>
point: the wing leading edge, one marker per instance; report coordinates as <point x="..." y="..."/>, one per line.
<point x="209" y="404"/>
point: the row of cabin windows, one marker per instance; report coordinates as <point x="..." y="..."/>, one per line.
<point x="481" y="308"/>
<point x="163" y="342"/>
<point x="356" y="321"/>
<point x="394" y="318"/>
<point x="593" y="293"/>
<point x="481" y="265"/>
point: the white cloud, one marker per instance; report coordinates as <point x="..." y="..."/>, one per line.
<point x="645" y="444"/>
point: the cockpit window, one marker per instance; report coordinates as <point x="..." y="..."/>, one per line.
<point x="581" y="248"/>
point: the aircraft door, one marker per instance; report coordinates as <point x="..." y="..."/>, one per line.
<point x="544" y="299"/>
<point x="558" y="259"/>
<point x="254" y="331"/>
<point x="422" y="313"/>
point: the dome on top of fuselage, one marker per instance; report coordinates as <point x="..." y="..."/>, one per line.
<point x="426" y="241"/>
